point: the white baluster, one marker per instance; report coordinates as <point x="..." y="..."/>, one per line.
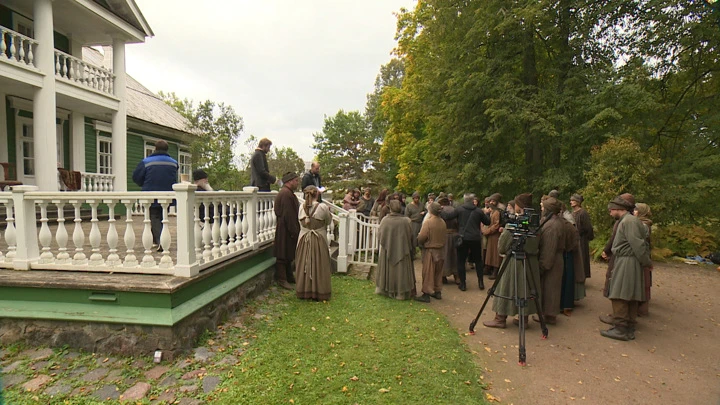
<point x="147" y="238"/>
<point x="61" y="235"/>
<point x="78" y="237"/>
<point x="96" y="258"/>
<point x="10" y="233"/>
<point x="245" y="224"/>
<point x="231" y="226"/>
<point x="216" y="231"/>
<point x="238" y="225"/>
<point x="268" y="221"/>
<point x="13" y="51"/>
<point x="45" y="236"/>
<point x="130" y="259"/>
<point x="113" y="260"/>
<point x="224" y="229"/>
<point x="207" y="235"/>
<point x="3" y="46"/>
<point x="57" y="65"/>
<point x="4" y="202"/>
<point x="64" y="67"/>
<point x="165" y="238"/>
<point x="31" y="54"/>
<point x="198" y="233"/>
<point x="21" y="51"/>
<point x="261" y="220"/>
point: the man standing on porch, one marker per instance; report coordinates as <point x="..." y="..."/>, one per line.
<point x="260" y="176"/>
<point x="157" y="172"/>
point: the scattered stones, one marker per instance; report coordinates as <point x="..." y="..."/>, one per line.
<point x="78" y="371"/>
<point x="39" y="365"/>
<point x="202" y="354"/>
<point x="136" y="392"/>
<point x="114" y="376"/>
<point x="189" y="401"/>
<point x="210" y="383"/>
<point x="12" y="367"/>
<point x="229" y="359"/>
<point x="166" y="397"/>
<point x="58" y="389"/>
<point x="80" y="391"/>
<point x="42" y="354"/>
<point x="107" y="392"/>
<point x="8" y="381"/>
<point x="95" y="375"/>
<point x="139" y="363"/>
<point x="37" y="383"/>
<point x="168" y="381"/>
<point x="184" y="363"/>
<point x="193" y="374"/>
<point x="156" y="372"/>
<point x="106" y="361"/>
<point x="188" y="388"/>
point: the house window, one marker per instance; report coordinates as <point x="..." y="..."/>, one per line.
<point x="104" y="157"/>
<point x="184" y="160"/>
<point x="149" y="148"/>
<point x="23" y="25"/>
<point x="28" y="150"/>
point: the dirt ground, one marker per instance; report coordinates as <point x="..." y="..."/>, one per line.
<point x="675" y="358"/>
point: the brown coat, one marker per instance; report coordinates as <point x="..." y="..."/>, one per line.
<point x="552" y="245"/>
<point x="572" y="245"/>
<point x="288" y="227"/>
<point x="492" y="233"/>
<point x="433" y="233"/>
<point x="584" y="227"/>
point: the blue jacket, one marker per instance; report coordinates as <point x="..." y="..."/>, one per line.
<point x="157" y="172"/>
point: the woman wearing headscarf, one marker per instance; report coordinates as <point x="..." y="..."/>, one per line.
<point x="585" y="229"/>
<point x="312" y="258"/>
<point x="396" y="275"/>
<point x="378" y="209"/>
<point x="642" y="211"/>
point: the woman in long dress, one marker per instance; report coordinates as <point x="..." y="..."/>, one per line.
<point x="396" y="275"/>
<point x="312" y="258"/>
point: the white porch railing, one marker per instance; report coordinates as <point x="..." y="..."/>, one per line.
<point x="241" y="221"/>
<point x="84" y="74"/>
<point x="357" y="238"/>
<point x="97" y="182"/>
<point x="17" y="48"/>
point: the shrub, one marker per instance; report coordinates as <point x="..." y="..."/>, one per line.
<point x="683" y="240"/>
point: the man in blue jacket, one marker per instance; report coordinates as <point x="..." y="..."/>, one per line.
<point x="157" y="172"/>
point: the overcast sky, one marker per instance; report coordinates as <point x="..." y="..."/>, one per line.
<point x="282" y="64"/>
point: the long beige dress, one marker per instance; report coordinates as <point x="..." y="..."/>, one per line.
<point x="312" y="260"/>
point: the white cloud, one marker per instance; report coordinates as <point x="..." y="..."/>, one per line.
<point x="281" y="64"/>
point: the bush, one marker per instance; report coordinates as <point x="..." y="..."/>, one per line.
<point x="683" y="240"/>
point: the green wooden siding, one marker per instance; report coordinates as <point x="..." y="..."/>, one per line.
<point x="135" y="153"/>
<point x="90" y="149"/>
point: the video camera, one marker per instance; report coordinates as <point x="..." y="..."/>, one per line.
<point x="527" y="223"/>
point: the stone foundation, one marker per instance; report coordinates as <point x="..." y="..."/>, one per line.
<point x="126" y="339"/>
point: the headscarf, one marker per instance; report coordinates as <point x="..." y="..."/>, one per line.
<point x="523" y="200"/>
<point x="644" y="213"/>
<point x="552" y="205"/>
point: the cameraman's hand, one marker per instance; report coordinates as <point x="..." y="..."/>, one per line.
<point x="604" y="255"/>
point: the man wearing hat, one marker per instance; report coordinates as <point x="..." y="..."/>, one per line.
<point x="551" y="245"/>
<point x="607" y="252"/>
<point x="432" y="238"/>
<point x="200" y="179"/>
<point x="287" y="230"/>
<point x="416" y="212"/>
<point x="585" y="229"/>
<point x="627" y="285"/>
<point x="492" y="235"/>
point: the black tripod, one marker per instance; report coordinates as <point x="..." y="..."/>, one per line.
<point x="523" y="279"/>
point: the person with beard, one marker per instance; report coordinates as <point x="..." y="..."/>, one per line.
<point x="551" y="248"/>
<point x="573" y="280"/>
<point x="416" y="212"/>
<point x="287" y="230"/>
<point x="396" y="274"/>
<point x="492" y="235"/>
<point x="367" y="202"/>
<point x="627" y="286"/>
<point x="432" y="239"/>
<point x="312" y="178"/>
<point x="260" y="176"/>
<point x="607" y="254"/>
<point x="585" y="229"/>
<point x="449" y="250"/>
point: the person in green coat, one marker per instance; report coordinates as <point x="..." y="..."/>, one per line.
<point x="627" y="285"/>
<point x="514" y="272"/>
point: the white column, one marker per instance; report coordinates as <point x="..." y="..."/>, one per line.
<point x="77" y="141"/>
<point x="119" y="118"/>
<point x="3" y="129"/>
<point x="44" y="100"/>
<point x="27" y="251"/>
<point x="187" y="265"/>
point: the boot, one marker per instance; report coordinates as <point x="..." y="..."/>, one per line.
<point x="481" y="283"/>
<point x="284" y="284"/>
<point x="631" y="333"/>
<point x="445" y="280"/>
<point x="437" y="295"/>
<point x="643" y="308"/>
<point x="497" y="322"/>
<point x="462" y="286"/>
<point x="618" y="333"/>
<point x="493" y="276"/>
<point x="567" y="311"/>
<point x="423" y="298"/>
<point x="516" y="321"/>
<point x="608" y="319"/>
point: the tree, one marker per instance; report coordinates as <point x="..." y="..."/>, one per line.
<point x="346" y="150"/>
<point x="285" y="159"/>
<point x="216" y="128"/>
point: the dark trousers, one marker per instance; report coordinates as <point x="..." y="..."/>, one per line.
<point x="625" y="312"/>
<point x="284" y="271"/>
<point x="156" y="215"/>
<point x="470" y="249"/>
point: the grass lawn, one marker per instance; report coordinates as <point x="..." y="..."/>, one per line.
<point x="356" y="348"/>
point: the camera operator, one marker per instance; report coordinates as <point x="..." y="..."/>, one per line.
<point x="508" y="281"/>
<point x="469" y="218"/>
<point x="552" y="246"/>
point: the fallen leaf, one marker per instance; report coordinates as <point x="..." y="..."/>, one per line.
<point x="507" y="381"/>
<point x="344" y="388"/>
<point x="354" y="378"/>
<point x="384" y="390"/>
<point x="624" y="355"/>
<point x="443" y="371"/>
<point x="489" y="350"/>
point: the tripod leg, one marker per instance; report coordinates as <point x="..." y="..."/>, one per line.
<point x="521" y="294"/>
<point x="490" y="293"/>
<point x="534" y="296"/>
<point x="522" y="354"/>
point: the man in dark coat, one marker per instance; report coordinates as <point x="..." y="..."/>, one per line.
<point x="157" y="172"/>
<point x="287" y="230"/>
<point x="260" y="176"/>
<point x="627" y="286"/>
<point x="416" y="212"/>
<point x="312" y="178"/>
<point x="551" y="248"/>
<point x="584" y="227"/>
<point x="469" y="218"/>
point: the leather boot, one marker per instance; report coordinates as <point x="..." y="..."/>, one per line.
<point x="462" y="286"/>
<point x="494" y="273"/>
<point x="423" y="298"/>
<point x="631" y="333"/>
<point x="497" y="322"/>
<point x="618" y="333"/>
<point x="608" y="319"/>
<point x="481" y="283"/>
<point x="437" y="295"/>
<point x="284" y="284"/>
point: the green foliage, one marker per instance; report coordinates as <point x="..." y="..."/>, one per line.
<point x="684" y="240"/>
<point x="216" y="128"/>
<point x="285" y="159"/>
<point x="619" y="166"/>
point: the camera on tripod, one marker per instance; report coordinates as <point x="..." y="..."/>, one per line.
<point x="526" y="223"/>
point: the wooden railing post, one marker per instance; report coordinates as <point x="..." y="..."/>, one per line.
<point x="27" y="251"/>
<point x="352" y="231"/>
<point x="342" y="259"/>
<point x="252" y="212"/>
<point x="187" y="265"/>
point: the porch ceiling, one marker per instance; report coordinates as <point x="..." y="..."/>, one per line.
<point x="84" y="21"/>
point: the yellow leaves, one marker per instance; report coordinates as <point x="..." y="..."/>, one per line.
<point x="443" y="371"/>
<point x="344" y="389"/>
<point x="487" y="349"/>
<point x="507" y="380"/>
<point x="354" y="378"/>
<point x="491" y="398"/>
<point x="384" y="390"/>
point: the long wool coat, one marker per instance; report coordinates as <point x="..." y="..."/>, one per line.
<point x="552" y="246"/>
<point x="288" y="227"/>
<point x="584" y="227"/>
<point x="528" y="272"/>
<point x="631" y="253"/>
<point x="492" y="233"/>
<point x="396" y="275"/>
